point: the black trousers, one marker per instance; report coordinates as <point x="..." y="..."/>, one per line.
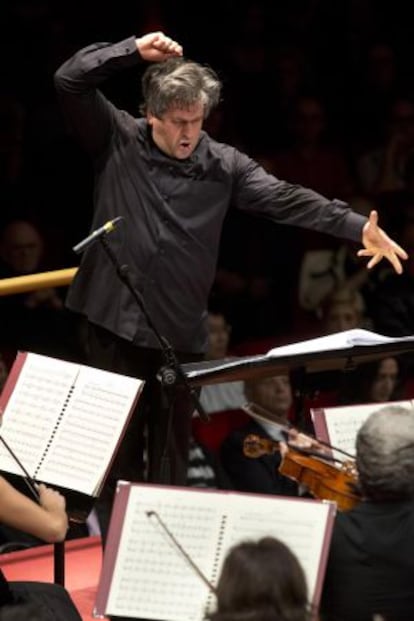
<point x="155" y="446"/>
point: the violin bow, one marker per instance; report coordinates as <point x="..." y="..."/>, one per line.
<point x="286" y="427"/>
<point x="31" y="484"/>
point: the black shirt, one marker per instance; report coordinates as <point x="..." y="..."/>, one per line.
<point x="173" y="209"/>
<point x="371" y="564"/>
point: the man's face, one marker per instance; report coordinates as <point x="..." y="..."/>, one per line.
<point x="178" y="131"/>
<point x="274" y="394"/>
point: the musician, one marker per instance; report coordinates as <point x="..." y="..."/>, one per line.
<point x="371" y="562"/>
<point x="273" y="395"/>
<point x="48" y="521"/>
<point x="262" y="581"/>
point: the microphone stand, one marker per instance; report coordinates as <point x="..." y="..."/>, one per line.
<point x="171" y="373"/>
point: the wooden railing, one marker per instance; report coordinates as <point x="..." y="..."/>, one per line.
<point x="41" y="280"/>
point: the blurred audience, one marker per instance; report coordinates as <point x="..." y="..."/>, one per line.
<point x="393" y="310"/>
<point x="344" y="309"/>
<point x="382" y="169"/>
<point x="33" y="320"/>
<point x="374" y="382"/>
<point x="227" y="395"/>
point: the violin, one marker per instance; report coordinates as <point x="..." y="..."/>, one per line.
<point x="322" y="477"/>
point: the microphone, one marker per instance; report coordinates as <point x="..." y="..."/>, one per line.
<point x="108" y="227"/>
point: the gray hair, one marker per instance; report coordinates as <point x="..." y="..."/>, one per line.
<point x="177" y="82"/>
<point x="385" y="453"/>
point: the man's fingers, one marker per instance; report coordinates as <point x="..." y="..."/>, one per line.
<point x="400" y="251"/>
<point x="166" y="44"/>
<point x="364" y="253"/>
<point x="375" y="260"/>
<point x="373" y="217"/>
<point x="395" y="262"/>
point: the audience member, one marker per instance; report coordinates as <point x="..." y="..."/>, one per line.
<point x="34" y="320"/>
<point x="374" y="382"/>
<point x="342" y="310"/>
<point x="227" y="395"/>
<point x="261" y="580"/>
<point x="313" y="159"/>
<point x="324" y="271"/>
<point x="382" y="169"/>
<point x="371" y="558"/>
<point x="47" y="521"/>
<point x="393" y="311"/>
<point x="271" y="402"/>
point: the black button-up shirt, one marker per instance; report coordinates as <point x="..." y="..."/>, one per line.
<point x="173" y="209"/>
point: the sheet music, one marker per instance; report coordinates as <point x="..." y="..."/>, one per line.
<point x="40" y="391"/>
<point x="339" y="340"/>
<point x="151" y="579"/>
<point x="89" y="430"/>
<point x="301" y="525"/>
<point x="342" y="423"/>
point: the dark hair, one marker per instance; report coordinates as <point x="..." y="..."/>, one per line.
<point x="261" y="581"/>
<point x="356" y="386"/>
<point x="179" y="82"/>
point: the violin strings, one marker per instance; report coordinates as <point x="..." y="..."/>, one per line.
<point x="269" y="416"/>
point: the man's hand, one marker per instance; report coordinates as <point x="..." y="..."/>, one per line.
<point x="378" y="245"/>
<point x="156" y="46"/>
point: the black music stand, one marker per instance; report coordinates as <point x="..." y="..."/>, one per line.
<point x="337" y="352"/>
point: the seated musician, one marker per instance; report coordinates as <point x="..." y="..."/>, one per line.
<point x="273" y="398"/>
<point x="48" y="521"/>
<point x="371" y="562"/>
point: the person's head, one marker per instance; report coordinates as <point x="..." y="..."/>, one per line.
<point x="384" y="380"/>
<point x="274" y="394"/>
<point x="178" y="95"/>
<point x="261" y="580"/>
<point x="218" y="336"/>
<point x="309" y="121"/>
<point x="342" y="310"/>
<point x="385" y="454"/>
<point x="21" y="247"/>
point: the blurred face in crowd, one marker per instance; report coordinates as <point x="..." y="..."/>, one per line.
<point x="218" y="336"/>
<point x="309" y="120"/>
<point x="178" y="131"/>
<point x="273" y="393"/>
<point x="385" y="381"/>
<point x="342" y="316"/>
<point x="21" y="247"/>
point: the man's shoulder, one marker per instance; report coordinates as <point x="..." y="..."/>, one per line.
<point x="130" y="124"/>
